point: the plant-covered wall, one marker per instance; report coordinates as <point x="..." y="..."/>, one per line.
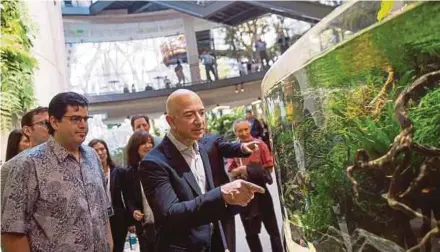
<point x="17" y="64"/>
<point x="344" y="115"/>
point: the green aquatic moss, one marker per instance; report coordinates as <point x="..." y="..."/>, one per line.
<point x="426" y="119"/>
<point x="397" y="43"/>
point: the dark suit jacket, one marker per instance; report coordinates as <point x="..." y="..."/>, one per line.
<point x="183" y="215"/>
<point x="117" y="189"/>
<point x="218" y="149"/>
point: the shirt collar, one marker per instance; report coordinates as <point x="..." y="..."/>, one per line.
<point x="60" y="152"/>
<point x="180" y="146"/>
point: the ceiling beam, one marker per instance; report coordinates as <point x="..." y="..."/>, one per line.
<point x="297" y="9"/>
<point x="138" y="7"/>
<point x="99" y="6"/>
<point x="194" y="9"/>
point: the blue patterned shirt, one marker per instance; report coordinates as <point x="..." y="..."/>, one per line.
<point x="58" y="202"/>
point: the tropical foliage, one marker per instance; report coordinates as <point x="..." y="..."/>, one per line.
<point x="222" y="124"/>
<point x="17" y="64"/>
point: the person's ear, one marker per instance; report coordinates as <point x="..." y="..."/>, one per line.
<point x="27" y="130"/>
<point x="54" y="123"/>
<point x="170" y="121"/>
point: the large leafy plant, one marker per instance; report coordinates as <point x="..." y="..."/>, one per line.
<point x="17" y="64"/>
<point x="222" y="125"/>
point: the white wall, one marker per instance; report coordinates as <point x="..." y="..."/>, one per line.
<point x="49" y="50"/>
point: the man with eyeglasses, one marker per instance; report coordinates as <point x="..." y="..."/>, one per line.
<point x="34" y="124"/>
<point x="54" y="197"/>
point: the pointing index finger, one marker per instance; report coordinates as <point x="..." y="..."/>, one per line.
<point x="253" y="187"/>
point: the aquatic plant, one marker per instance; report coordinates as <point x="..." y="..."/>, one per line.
<point x="399" y="156"/>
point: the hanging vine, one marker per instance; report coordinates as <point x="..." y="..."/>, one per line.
<point x="17" y="63"/>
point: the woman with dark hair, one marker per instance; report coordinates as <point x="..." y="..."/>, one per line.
<point x="114" y="178"/>
<point x="17" y="142"/>
<point x="139" y="144"/>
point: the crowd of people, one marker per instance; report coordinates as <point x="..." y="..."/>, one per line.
<point x="177" y="193"/>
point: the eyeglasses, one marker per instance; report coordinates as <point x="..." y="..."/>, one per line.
<point x="44" y="123"/>
<point x="78" y="119"/>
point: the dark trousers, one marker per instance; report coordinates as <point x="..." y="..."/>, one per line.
<point x="210" y="68"/>
<point x="229" y="230"/>
<point x="252" y="225"/>
<point x="263" y="56"/>
<point x="118" y="227"/>
<point x="145" y="235"/>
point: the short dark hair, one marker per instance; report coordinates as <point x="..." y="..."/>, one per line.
<point x="28" y="118"/>
<point x="58" y="105"/>
<point x="109" y="158"/>
<point x="134" y="118"/>
<point x="131" y="150"/>
<point x="14" y="139"/>
<point x="249" y="111"/>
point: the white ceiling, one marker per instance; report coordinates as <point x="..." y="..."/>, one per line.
<point x="105" y="28"/>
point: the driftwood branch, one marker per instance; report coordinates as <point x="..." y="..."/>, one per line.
<point x="435" y="231"/>
<point x="398" y="158"/>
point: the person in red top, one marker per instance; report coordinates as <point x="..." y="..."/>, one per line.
<point x="256" y="168"/>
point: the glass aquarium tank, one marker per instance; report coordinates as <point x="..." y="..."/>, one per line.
<point x="354" y="114"/>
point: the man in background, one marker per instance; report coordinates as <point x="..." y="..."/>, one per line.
<point x="142" y="122"/>
<point x="209" y="61"/>
<point x="256" y="127"/>
<point x="35" y="126"/>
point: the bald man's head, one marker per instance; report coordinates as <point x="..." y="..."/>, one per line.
<point x="186" y="116"/>
<point x="177" y="97"/>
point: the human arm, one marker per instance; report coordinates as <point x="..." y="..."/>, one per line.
<point x="19" y="195"/>
<point x="15" y="242"/>
<point x="169" y="211"/>
<point x="230" y="150"/>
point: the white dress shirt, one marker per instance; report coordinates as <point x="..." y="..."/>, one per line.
<point x="192" y="157"/>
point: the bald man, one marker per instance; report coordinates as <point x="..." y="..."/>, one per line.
<point x="177" y="179"/>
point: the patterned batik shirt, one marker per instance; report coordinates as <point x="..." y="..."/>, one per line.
<point x="58" y="203"/>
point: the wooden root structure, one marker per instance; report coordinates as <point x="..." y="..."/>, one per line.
<point x="398" y="157"/>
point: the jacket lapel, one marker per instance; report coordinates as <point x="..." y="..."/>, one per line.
<point x="179" y="163"/>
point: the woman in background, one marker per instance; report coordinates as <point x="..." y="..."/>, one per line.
<point x="139" y="144"/>
<point x="114" y="178"/>
<point x="17" y="142"/>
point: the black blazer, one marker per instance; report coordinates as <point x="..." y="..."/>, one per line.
<point x="218" y="149"/>
<point x="117" y="189"/>
<point x="183" y="215"/>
